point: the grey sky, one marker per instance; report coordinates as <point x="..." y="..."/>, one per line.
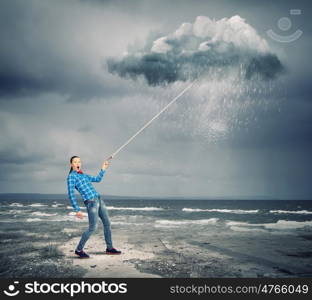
<point x="224" y="138"/>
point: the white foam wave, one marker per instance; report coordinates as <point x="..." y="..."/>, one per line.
<point x="37" y="205"/>
<point x="38" y="213"/>
<point x="15" y="211"/>
<point x="283" y="224"/>
<point x="232" y="211"/>
<point x="166" y="223"/>
<point x="134" y="208"/>
<point x="245" y="229"/>
<point x="235" y="223"/>
<point x="71" y="208"/>
<point x="16" y="204"/>
<point x="70" y="217"/>
<point x="33" y="220"/>
<point x="301" y="212"/>
<point x="280" y="224"/>
<point x="126" y="223"/>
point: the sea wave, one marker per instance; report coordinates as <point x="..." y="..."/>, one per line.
<point x="232" y="211"/>
<point x="15" y="211"/>
<point x="169" y="223"/>
<point x="280" y="224"/>
<point x="283" y="224"/>
<point x="150" y="208"/>
<point x="38" y="213"/>
<point x="16" y="204"/>
<point x="235" y="223"/>
<point x="58" y="219"/>
<point x="134" y="208"/>
<point x="246" y="229"/>
<point x="70" y="207"/>
<point x="127" y="223"/>
<point x="301" y="212"/>
<point x="37" y="205"/>
<point x="33" y="220"/>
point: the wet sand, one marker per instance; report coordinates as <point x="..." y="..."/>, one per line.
<point x="101" y="265"/>
<point x="148" y="253"/>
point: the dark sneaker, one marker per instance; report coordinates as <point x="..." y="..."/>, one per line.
<point x="82" y="254"/>
<point x="112" y="251"/>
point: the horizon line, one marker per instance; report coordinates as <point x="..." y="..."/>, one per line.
<point x="236" y="197"/>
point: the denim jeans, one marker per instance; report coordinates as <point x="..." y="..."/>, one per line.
<point x="96" y="208"/>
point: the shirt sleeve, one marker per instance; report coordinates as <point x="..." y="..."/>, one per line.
<point x="96" y="178"/>
<point x="71" y="193"/>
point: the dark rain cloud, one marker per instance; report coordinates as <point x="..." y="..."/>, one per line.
<point x="167" y="68"/>
<point x="196" y="49"/>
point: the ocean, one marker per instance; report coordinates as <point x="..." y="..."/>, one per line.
<point x="266" y="214"/>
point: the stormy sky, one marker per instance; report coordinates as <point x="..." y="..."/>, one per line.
<point x="81" y="77"/>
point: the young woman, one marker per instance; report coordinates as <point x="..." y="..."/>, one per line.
<point x="92" y="200"/>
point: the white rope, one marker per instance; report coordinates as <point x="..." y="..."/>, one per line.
<point x="149" y="122"/>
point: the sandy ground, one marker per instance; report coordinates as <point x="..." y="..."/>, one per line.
<point x="101" y="265"/>
<point x="159" y="253"/>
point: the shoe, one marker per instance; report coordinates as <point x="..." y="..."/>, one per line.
<point x="112" y="251"/>
<point x="82" y="254"/>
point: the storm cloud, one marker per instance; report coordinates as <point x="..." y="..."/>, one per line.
<point x="202" y="47"/>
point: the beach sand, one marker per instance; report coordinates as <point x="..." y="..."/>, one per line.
<point x="47" y="251"/>
<point x="148" y="253"/>
<point x="101" y="265"/>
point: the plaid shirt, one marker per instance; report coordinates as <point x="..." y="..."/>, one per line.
<point x="82" y="182"/>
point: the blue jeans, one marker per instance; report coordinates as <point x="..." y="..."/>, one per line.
<point x="96" y="207"/>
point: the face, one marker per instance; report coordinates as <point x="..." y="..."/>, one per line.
<point x="76" y="164"/>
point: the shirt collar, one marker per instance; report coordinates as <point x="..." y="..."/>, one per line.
<point x="77" y="172"/>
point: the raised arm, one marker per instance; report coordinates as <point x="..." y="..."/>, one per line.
<point x="101" y="173"/>
<point x="97" y="178"/>
<point x="71" y="193"/>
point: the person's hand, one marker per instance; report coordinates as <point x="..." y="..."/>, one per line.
<point x="105" y="164"/>
<point x="79" y="214"/>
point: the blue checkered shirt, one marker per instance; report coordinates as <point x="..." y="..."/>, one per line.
<point x="82" y="183"/>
